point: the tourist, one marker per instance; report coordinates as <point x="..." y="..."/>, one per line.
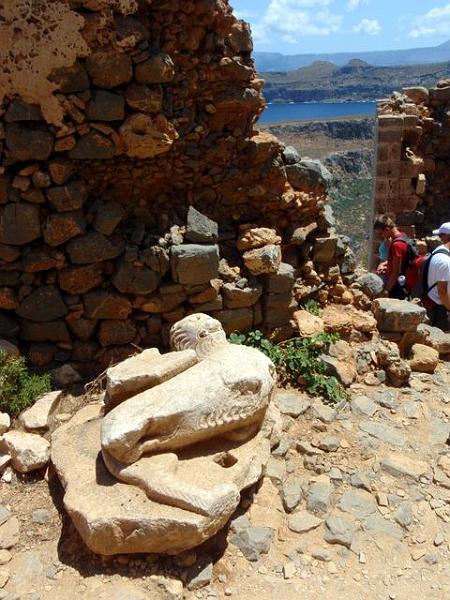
<point x="438" y="288"/>
<point x="395" y="266"/>
<point x="383" y="254"/>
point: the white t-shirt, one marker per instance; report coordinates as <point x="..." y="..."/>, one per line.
<point x="439" y="271"/>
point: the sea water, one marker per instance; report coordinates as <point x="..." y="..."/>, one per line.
<point x="305" y="111"/>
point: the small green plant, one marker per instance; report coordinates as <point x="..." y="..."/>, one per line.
<point x="313" y="307"/>
<point x="297" y="361"/>
<point x="18" y="388"/>
<point x="256" y="339"/>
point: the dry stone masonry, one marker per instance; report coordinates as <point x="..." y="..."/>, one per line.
<point x="412" y="172"/>
<point x="134" y="189"/>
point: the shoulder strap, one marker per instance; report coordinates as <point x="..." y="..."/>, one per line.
<point x="401" y="238"/>
<point x="440" y="251"/>
<point x="427" y="267"/>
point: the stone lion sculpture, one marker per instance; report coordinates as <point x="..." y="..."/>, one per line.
<point x="183" y="435"/>
<point x="225" y="394"/>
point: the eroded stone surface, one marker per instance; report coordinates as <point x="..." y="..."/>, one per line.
<point x="182" y="450"/>
<point x="28" y="451"/>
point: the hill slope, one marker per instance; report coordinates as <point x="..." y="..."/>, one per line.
<point x="272" y="61"/>
<point x="356" y="80"/>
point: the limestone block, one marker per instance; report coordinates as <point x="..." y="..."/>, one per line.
<point x="300" y="234"/>
<point x="421" y="184"/>
<point x="116" y="518"/>
<point x="263" y="260"/>
<point x="93" y="146"/>
<point x="105" y="106"/>
<point x="109" y="69"/>
<point x="49" y="331"/>
<point x="19" y="110"/>
<point x="419" y="95"/>
<point x="61" y="169"/>
<point x="144" y="98"/>
<point x="193" y="264"/>
<point x="37" y="417"/>
<point x="336" y="319"/>
<point x="257" y="237"/>
<point x="79" y="280"/>
<point x="28" y="451"/>
<point x="28" y="141"/>
<point x="70" y="79"/>
<point x="340" y="362"/>
<point x="114" y="332"/>
<point x="93" y="247"/>
<point x="308" y="175"/>
<point x="278" y="309"/>
<point x="281" y="281"/>
<point x="308" y="324"/>
<point x="157" y="259"/>
<point x="159" y="68"/>
<point x="424" y="358"/>
<point x="201" y="229"/>
<point x="43" y="304"/>
<point x="238" y="319"/>
<point x="144" y="371"/>
<point x="101" y="304"/>
<point x="67" y="197"/>
<point x="371" y="284"/>
<point x="5" y="423"/>
<point x="398" y="315"/>
<point x="402" y="465"/>
<point x="61" y="227"/>
<point x="241" y="295"/>
<point x="19" y="223"/>
<point x="133" y="279"/>
<point x="434" y="337"/>
<point x="146" y="137"/>
<point x="291" y="156"/>
<point x="325" y="249"/>
<point x="440" y="95"/>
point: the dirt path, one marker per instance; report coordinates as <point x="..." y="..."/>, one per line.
<point x="367" y="487"/>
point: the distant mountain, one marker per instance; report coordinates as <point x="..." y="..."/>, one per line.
<point x="357" y="80"/>
<point x="268" y="61"/>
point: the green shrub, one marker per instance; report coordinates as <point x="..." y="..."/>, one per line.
<point x="297" y="362"/>
<point x="18" y="388"/>
<point x="313" y="307"/>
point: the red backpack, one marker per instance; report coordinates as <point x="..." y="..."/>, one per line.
<point x="412" y="261"/>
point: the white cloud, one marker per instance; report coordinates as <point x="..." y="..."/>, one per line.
<point x="369" y="26"/>
<point x="435" y="22"/>
<point x="292" y="19"/>
<point x="354" y="4"/>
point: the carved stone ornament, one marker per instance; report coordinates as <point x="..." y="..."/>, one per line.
<point x="162" y="471"/>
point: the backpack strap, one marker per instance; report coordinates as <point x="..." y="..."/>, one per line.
<point x="427" y="268"/>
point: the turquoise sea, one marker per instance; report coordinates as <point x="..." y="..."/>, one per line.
<point x="305" y="111"/>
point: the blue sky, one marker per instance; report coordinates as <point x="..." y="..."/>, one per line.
<point x="301" y="26"/>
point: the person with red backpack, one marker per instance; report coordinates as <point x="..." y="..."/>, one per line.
<point x="437" y="281"/>
<point x="401" y="253"/>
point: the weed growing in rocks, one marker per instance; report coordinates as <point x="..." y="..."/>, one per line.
<point x="19" y="389"/>
<point x="298" y="362"/>
<point x="313" y="307"/>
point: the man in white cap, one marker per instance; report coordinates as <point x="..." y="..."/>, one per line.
<point x="438" y="290"/>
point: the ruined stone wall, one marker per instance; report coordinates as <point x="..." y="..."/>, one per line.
<point x="133" y="187"/>
<point x="413" y="158"/>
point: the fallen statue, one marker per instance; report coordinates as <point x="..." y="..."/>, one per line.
<point x="183" y="435"/>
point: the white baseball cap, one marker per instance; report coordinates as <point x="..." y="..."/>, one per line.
<point x="444" y="229"/>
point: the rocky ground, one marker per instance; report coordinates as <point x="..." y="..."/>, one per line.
<point x="355" y="504"/>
